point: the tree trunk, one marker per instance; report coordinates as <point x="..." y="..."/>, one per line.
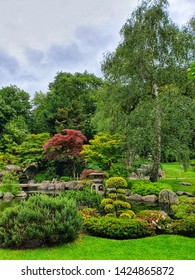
<point x="74" y="169"/>
<point x="157" y="140"/>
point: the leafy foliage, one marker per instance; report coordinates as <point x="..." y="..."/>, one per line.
<point x="68" y="145"/>
<point x="134" y="101"/>
<point x="147" y="188"/>
<point x="70" y="103"/>
<point x="10" y="183"/>
<point x="103" y="151"/>
<point x="31" y="149"/>
<point x="60" y="145"/>
<point x="85" y="198"/>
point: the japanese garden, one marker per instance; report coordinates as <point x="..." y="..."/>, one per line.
<point x="104" y="168"/>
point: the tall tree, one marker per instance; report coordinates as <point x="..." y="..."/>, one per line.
<point x="154" y="52"/>
<point x="70" y="103"/>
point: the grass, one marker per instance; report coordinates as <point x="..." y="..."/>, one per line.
<point x="160" y="247"/>
<point x="175" y="171"/>
<point x="174" y="174"/>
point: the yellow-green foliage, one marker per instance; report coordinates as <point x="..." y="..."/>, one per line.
<point x="103" y="150"/>
<point x="116" y="182"/>
<point x="106" y="201"/>
<point x="128" y="214"/>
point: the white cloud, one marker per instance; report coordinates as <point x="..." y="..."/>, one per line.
<point x="41" y="37"/>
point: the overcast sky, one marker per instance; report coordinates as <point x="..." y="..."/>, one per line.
<point x="38" y="38"/>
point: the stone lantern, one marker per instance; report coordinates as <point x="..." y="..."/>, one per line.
<point x="97" y="178"/>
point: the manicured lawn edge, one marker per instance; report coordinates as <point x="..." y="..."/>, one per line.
<point x="161" y="247"/>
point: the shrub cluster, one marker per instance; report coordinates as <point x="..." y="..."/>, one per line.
<point x="147" y="187"/>
<point x="118" y="228"/>
<point x="85" y="198"/>
<point x="10" y="183"/>
<point x="41" y="220"/>
<point x="159" y="219"/>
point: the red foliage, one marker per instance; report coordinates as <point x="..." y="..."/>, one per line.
<point x="64" y="145"/>
<point x="85" y="173"/>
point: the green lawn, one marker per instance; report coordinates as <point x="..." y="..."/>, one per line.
<point x="161" y="247"/>
<point x="175" y="171"/>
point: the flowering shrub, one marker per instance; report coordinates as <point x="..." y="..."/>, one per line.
<point x="158" y="219"/>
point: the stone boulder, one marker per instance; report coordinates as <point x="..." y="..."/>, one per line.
<point x="44" y="185"/>
<point x="166" y="199"/>
<point x="8" y="196"/>
<point x="150" y="198"/>
<point x="22" y="194"/>
<point x="135" y="197"/>
<point x="185" y="184"/>
<point x="59" y="186"/>
<point x="1" y="194"/>
<point x="72" y="185"/>
<point x="179" y="193"/>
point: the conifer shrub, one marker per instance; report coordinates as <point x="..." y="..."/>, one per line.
<point x="41" y="220"/>
<point x="118" y="228"/>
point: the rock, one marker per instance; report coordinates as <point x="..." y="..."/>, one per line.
<point x="32" y="182"/>
<point x="21" y="194"/>
<point x="44" y="185"/>
<point x="134" y="197"/>
<point x="70" y="185"/>
<point x="8" y="196"/>
<point x="185" y="193"/>
<point x="149" y="198"/>
<point x="127" y="192"/>
<point x="59" y="185"/>
<point x="168" y="197"/>
<point x="1" y="194"/>
<point x="51" y="188"/>
<point x="185" y="184"/>
<point x="180" y="193"/>
<point x="13" y="168"/>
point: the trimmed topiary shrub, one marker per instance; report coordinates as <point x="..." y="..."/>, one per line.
<point x="41" y="220"/>
<point x="147" y="187"/>
<point x="117" y="228"/>
<point x="127" y="214"/>
<point x="116" y="182"/>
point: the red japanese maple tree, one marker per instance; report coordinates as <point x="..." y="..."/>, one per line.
<point x="69" y="144"/>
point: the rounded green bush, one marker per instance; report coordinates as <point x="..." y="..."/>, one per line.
<point x="106" y="201"/>
<point x="116" y="182"/>
<point x="130" y="213"/>
<point x="117" y="228"/>
<point x="41" y="220"/>
<point x="147" y="187"/>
